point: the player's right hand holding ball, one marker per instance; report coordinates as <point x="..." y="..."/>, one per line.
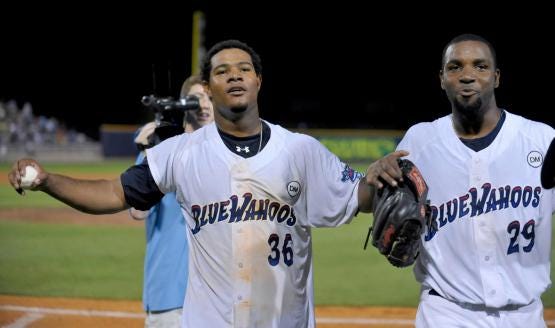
<point x="27" y="174"/>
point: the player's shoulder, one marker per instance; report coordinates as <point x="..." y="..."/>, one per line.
<point x="529" y="124"/>
<point x="207" y="132"/>
<point x="428" y="131"/>
<point x="293" y="138"/>
<point x="529" y="128"/>
<point x="199" y="136"/>
<point x="292" y="141"/>
<point x="187" y="141"/>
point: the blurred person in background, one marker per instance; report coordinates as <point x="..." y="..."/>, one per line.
<point x="166" y="255"/>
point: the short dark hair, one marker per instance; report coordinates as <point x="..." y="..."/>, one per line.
<point x="469" y="37"/>
<point x="229" y="44"/>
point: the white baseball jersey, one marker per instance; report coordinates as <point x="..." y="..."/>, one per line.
<point x="493" y="242"/>
<point x="249" y="223"/>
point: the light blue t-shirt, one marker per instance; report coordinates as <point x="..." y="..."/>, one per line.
<point x="166" y="255"/>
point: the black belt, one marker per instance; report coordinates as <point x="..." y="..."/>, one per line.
<point x="480" y="307"/>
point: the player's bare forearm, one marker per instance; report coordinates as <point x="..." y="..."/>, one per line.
<point x="89" y="196"/>
<point x="365" y="195"/>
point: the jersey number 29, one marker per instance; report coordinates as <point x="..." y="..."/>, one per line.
<point x="527" y="232"/>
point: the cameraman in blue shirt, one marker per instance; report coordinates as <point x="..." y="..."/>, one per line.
<point x="166" y="255"/>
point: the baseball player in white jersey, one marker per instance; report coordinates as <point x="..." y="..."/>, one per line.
<point x="488" y="262"/>
<point x="250" y="191"/>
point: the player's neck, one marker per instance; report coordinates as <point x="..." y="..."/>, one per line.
<point x="248" y="125"/>
<point x="472" y="127"/>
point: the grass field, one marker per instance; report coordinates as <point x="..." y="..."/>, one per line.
<point x="71" y="260"/>
<point x="106" y="261"/>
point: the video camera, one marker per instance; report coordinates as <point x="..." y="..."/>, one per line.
<point x="168" y="116"/>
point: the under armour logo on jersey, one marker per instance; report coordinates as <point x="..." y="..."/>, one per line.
<point x="239" y="149"/>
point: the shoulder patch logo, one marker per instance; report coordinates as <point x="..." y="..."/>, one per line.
<point x="535" y="158"/>
<point x="293" y="188"/>
<point x="350" y="174"/>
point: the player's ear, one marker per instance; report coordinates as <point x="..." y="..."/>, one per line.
<point x="497" y="76"/>
<point x="259" y="83"/>
<point x="206" y="88"/>
<point x="441" y="79"/>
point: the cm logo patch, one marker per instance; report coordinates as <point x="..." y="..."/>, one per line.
<point x="293" y="188"/>
<point x="535" y="158"/>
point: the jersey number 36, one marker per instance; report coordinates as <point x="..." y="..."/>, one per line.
<point x="276" y="253"/>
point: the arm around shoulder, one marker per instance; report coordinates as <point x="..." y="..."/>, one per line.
<point x="384" y="170"/>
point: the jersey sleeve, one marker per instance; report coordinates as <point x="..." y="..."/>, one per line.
<point x="330" y="195"/>
<point x="162" y="160"/>
<point x="410" y="141"/>
<point x="141" y="159"/>
<point x="139" y="188"/>
<point x="404" y="144"/>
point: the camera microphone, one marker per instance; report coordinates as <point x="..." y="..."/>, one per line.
<point x="189" y="102"/>
<point x="148" y="100"/>
<point x="167" y="103"/>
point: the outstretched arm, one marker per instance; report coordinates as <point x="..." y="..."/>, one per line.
<point x="89" y="196"/>
<point x="385" y="168"/>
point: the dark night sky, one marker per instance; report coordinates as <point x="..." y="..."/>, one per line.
<point x="339" y="68"/>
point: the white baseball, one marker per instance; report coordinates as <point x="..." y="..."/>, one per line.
<point x="30" y="176"/>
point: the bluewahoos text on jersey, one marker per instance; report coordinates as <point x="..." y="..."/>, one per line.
<point x="483" y="200"/>
<point x="250" y="209"/>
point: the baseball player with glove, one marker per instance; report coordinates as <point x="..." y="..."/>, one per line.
<point x="250" y="192"/>
<point x="488" y="261"/>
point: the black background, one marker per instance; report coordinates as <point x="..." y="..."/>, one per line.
<point x="338" y="66"/>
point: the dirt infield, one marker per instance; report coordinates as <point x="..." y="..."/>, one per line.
<point x="41" y="312"/>
<point x="66" y="215"/>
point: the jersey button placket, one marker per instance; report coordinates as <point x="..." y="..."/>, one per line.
<point x="491" y="279"/>
<point x="484" y="233"/>
<point x="242" y="269"/>
<point x="492" y="282"/>
<point x="238" y="174"/>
